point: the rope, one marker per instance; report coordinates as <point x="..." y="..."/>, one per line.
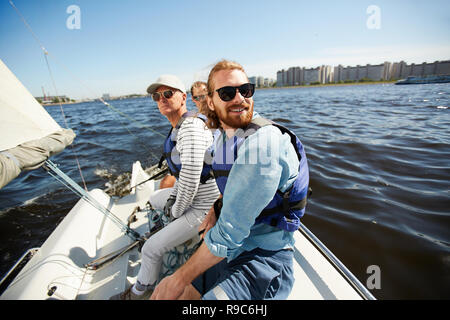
<point x="111" y="257"/>
<point x="175" y="257"/>
<point x="65" y="121"/>
<point x="28" y="26"/>
<point x="130" y="118"/>
<point x="53" y="82"/>
<point x="74" y="187"/>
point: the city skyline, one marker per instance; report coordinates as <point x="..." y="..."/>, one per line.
<point x="120" y="47"/>
<point x="381" y="72"/>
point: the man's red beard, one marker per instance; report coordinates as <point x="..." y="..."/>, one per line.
<point x="236" y="121"/>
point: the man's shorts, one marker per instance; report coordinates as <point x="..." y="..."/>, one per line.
<point x="253" y="275"/>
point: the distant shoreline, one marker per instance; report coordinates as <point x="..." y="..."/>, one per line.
<point x="264" y="88"/>
<point x="58" y="103"/>
<point x="95" y="100"/>
<point x="329" y="85"/>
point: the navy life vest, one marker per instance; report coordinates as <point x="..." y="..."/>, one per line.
<point x="172" y="156"/>
<point x="286" y="208"/>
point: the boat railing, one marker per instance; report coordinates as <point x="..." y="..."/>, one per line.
<point x="340" y="267"/>
<point x="15" y="269"/>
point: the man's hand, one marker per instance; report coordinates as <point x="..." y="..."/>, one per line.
<point x="173" y="286"/>
<point x="208" y="223"/>
<point x="170" y="288"/>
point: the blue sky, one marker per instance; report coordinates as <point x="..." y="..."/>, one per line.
<point x="122" y="46"/>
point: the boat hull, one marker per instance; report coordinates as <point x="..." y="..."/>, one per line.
<point x="424" y="80"/>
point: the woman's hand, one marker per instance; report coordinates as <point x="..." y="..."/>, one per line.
<point x="208" y="223"/>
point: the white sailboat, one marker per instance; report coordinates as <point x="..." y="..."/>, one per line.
<point x="94" y="252"/>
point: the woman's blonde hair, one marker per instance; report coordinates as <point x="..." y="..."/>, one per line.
<point x="198" y="84"/>
<point x="213" y="120"/>
<point x="203" y="105"/>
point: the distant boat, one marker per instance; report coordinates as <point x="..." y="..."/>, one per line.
<point x="427" y="79"/>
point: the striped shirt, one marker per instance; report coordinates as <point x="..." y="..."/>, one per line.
<point x="193" y="139"/>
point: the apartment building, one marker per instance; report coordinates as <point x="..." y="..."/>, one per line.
<point x="385" y="71"/>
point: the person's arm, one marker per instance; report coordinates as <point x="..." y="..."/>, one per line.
<point x="261" y="167"/>
<point x="173" y="286"/>
<point x="193" y="139"/>
<point x="233" y="225"/>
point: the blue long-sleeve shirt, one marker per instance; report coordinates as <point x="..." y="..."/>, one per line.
<point x="265" y="162"/>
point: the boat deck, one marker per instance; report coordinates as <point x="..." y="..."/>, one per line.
<point x="57" y="270"/>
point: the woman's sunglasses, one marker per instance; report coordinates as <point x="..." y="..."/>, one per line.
<point x="157" y="95"/>
<point x="229" y="92"/>
<point x="199" y="98"/>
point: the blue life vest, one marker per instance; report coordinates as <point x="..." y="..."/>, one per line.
<point x="172" y="156"/>
<point x="286" y="208"/>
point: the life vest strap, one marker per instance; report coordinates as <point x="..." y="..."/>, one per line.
<point x="161" y="161"/>
<point x="220" y="173"/>
<point x="284" y="207"/>
<point x="206" y="177"/>
<point x="168" y="155"/>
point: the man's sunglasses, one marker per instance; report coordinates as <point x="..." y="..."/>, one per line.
<point x="229" y="92"/>
<point x="167" y="94"/>
<point x="199" y="98"/>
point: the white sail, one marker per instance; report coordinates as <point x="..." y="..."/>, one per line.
<point x="28" y="134"/>
<point x="22" y="117"/>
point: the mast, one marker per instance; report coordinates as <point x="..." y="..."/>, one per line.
<point x="43" y="94"/>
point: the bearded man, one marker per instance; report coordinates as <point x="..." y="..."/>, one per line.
<point x="262" y="173"/>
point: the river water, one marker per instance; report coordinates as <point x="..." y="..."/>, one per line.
<point x="379" y="169"/>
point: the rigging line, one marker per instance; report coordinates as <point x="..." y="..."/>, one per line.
<point x="129" y="118"/>
<point x="53" y="81"/>
<point x="28" y="26"/>
<point x="146" y="147"/>
<point x="140" y="124"/>
<point x="53" y="170"/>
<point x="65" y="122"/>
<point x="76" y="78"/>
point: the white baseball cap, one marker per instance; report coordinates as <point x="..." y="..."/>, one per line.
<point x="167" y="80"/>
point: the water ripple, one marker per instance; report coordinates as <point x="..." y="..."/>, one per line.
<point x="379" y="169"/>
